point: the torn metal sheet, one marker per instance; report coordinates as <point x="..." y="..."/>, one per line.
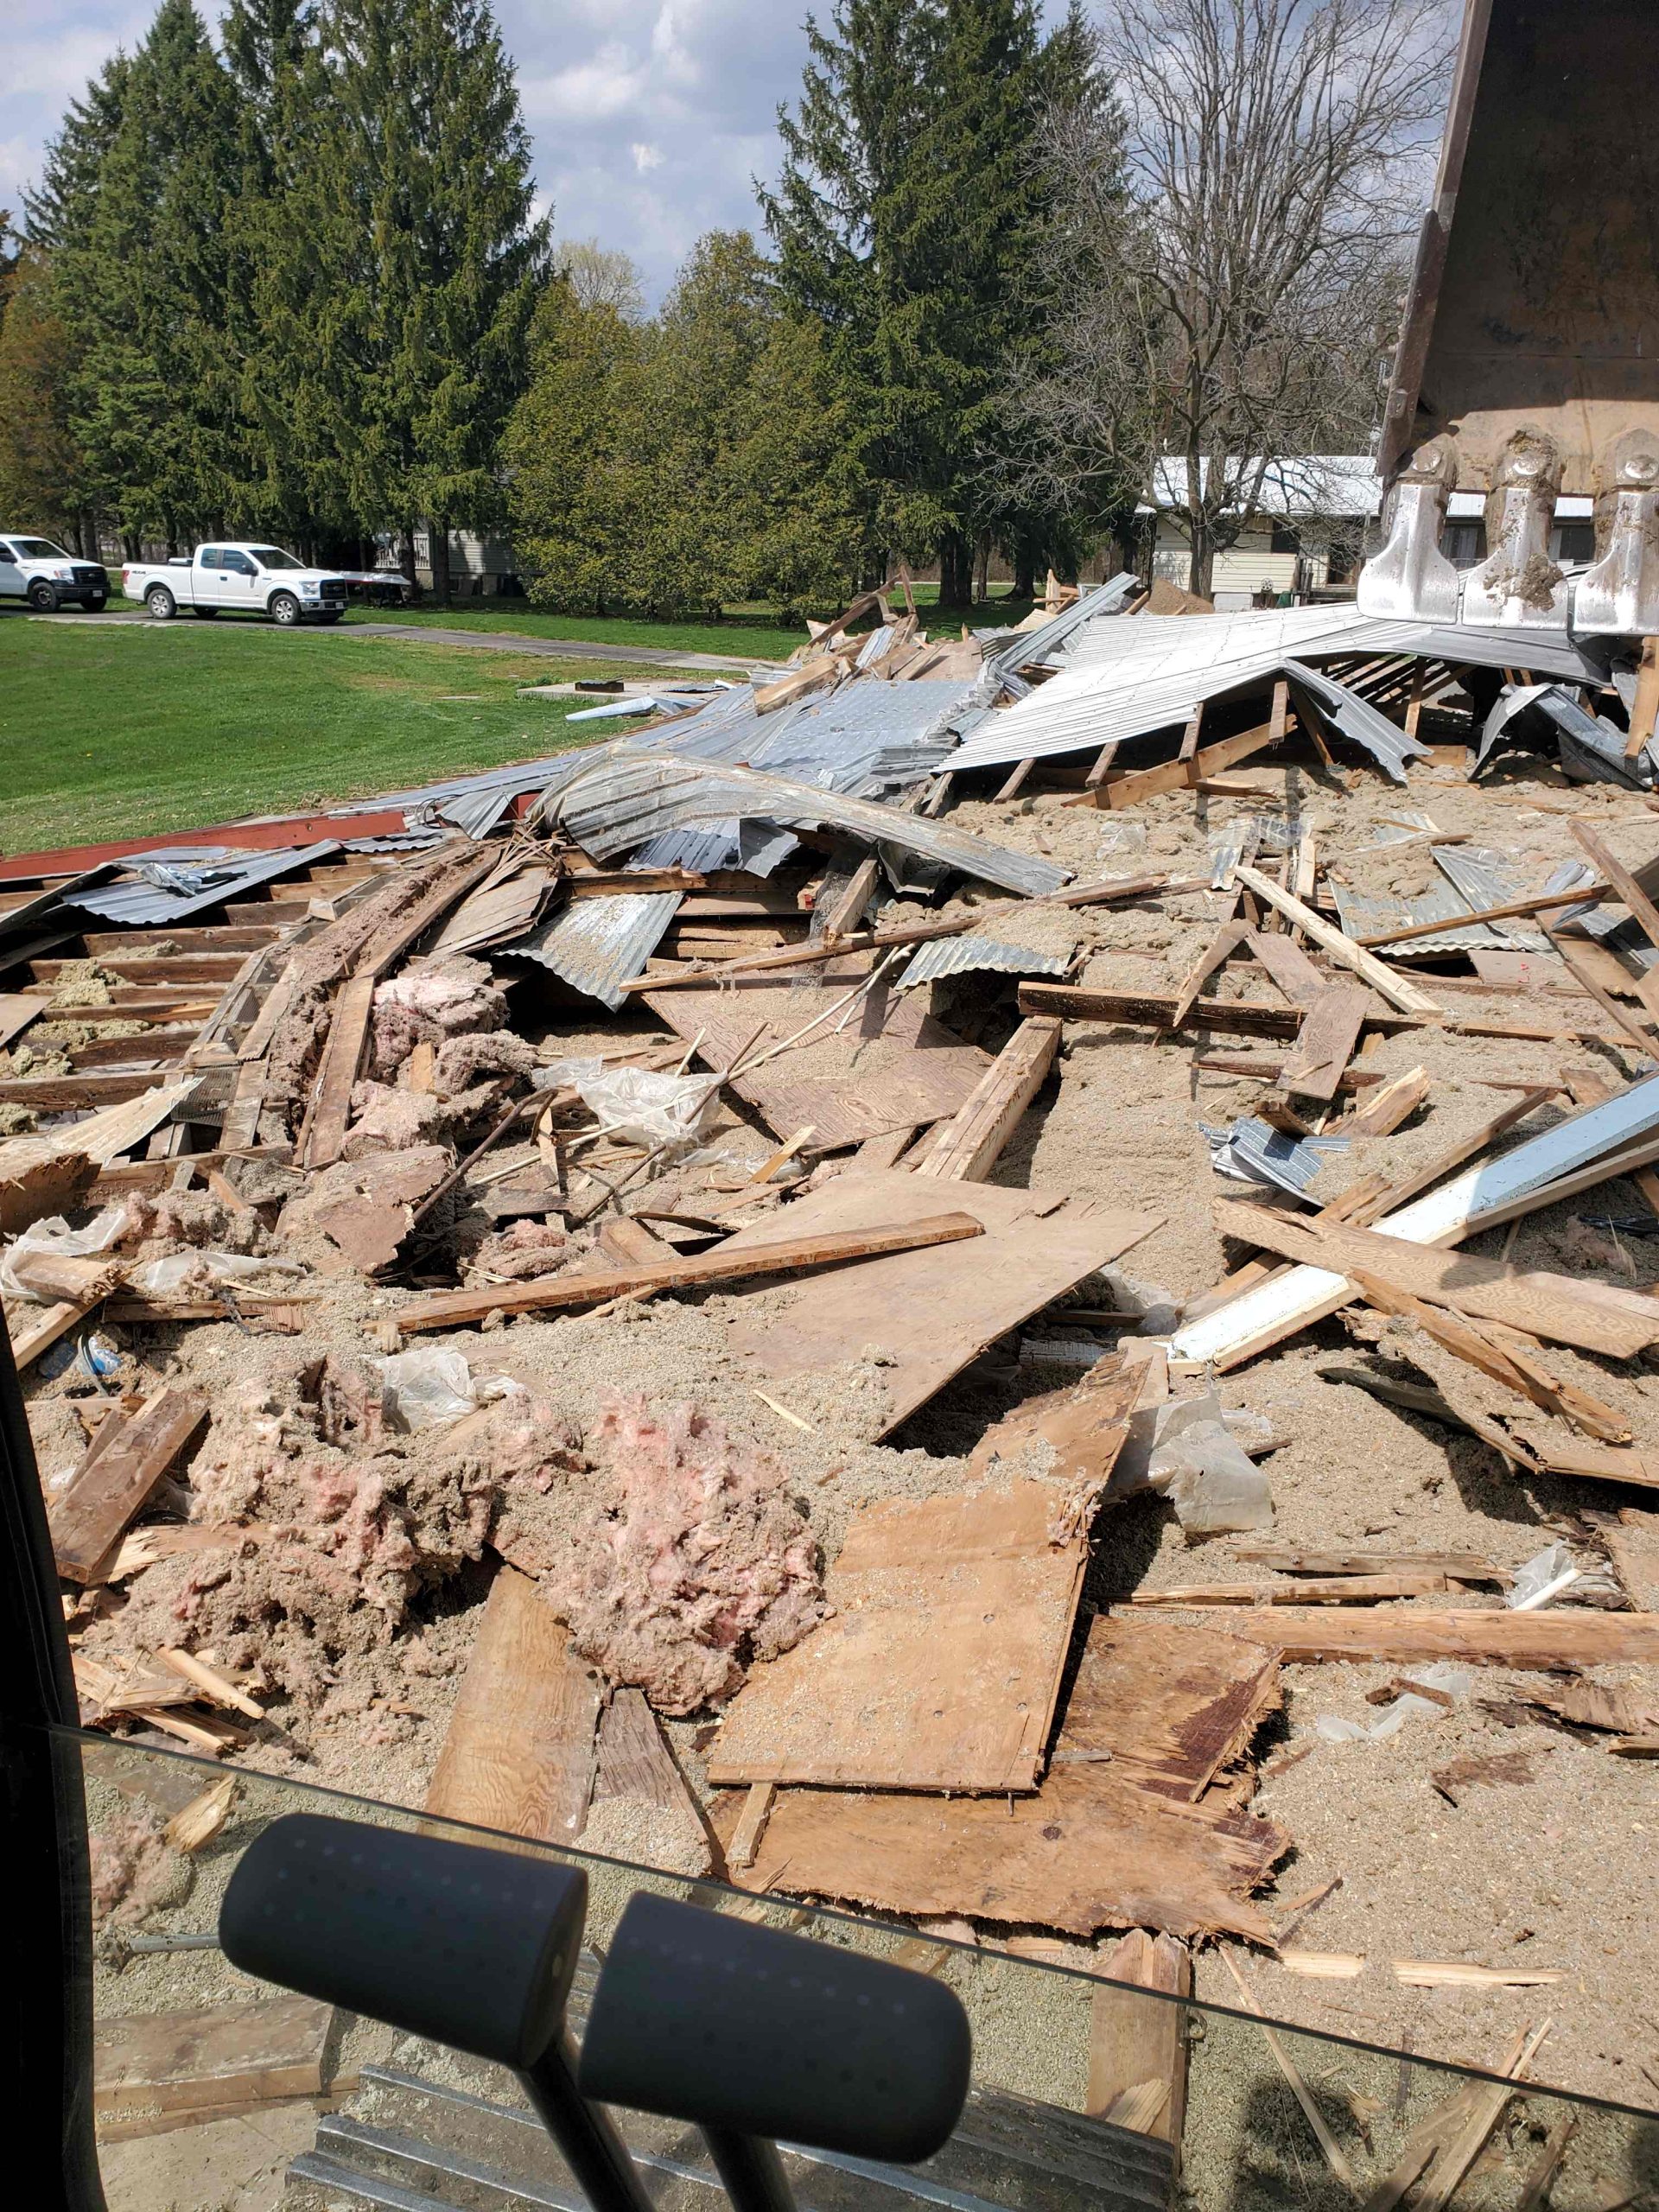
<point x="1481" y="880"/>
<point x="1591" y="750"/>
<point x="965" y="956"/>
<point x="1036" y="647"/>
<point x="169" y="892"/>
<point x="624" y="798"/>
<point x="1367" y="916"/>
<point x="1354" y="718"/>
<point x="596" y="945"/>
<point x="1122" y="680"/>
<point x="1252" y="1151"/>
<point x="1242" y="839"/>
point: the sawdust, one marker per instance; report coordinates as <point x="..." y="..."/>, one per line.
<point x="647" y="1835"/>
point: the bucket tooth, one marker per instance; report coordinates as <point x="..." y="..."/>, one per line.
<point x="1517" y="585"/>
<point x="1410" y="579"/>
<point x="1619" y="595"/>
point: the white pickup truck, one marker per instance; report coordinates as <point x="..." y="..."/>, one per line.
<point x="240" y="578"/>
<point x="35" y="569"/>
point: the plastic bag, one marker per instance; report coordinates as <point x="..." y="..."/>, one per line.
<point x="425" y="1388"/>
<point x="1440" y="1675"/>
<point x="648" y="1106"/>
<point x="177" y="1270"/>
<point x="1544" y="1576"/>
<point x="1194" y="1460"/>
<point x="57" y="1241"/>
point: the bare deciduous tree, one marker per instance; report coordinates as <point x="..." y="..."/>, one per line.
<point x="601" y="277"/>
<point x="1227" y="253"/>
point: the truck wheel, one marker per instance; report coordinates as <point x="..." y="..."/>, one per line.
<point x="160" y="604"/>
<point x="283" y="609"/>
<point x="42" y="597"/>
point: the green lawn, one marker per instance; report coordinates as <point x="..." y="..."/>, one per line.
<point x="123" y="728"/>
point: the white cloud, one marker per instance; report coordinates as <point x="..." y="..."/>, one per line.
<point x="650" y="117"/>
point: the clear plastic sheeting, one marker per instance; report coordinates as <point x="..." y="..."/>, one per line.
<point x="53" y="1239"/>
<point x="426" y="1388"/>
<point x="178" y="1271"/>
<point x="1196" y="1462"/>
<point x="1451" y="1681"/>
<point x="644" y="1106"/>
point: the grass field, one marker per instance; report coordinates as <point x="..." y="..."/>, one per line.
<point x="120" y="728"/>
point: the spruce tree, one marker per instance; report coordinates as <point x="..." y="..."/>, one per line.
<point x="907" y="200"/>
<point x="141" y="277"/>
<point x="59" y="207"/>
<point x="417" y="198"/>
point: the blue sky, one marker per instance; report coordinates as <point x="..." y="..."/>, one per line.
<point x="650" y="117"/>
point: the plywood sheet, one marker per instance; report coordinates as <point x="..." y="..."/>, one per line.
<point x="929" y="1311"/>
<point x="1171" y="1705"/>
<point x="891" y="1067"/>
<point x="940" y="1664"/>
<point x="233" y="2054"/>
<point x="1090" y="1851"/>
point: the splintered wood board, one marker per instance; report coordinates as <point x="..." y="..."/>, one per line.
<point x="17" y="1010"/>
<point x="53" y="1185"/>
<point x="940" y="1665"/>
<point x="635" y="1760"/>
<point x="1314" y="1066"/>
<point x="1090" y="1850"/>
<point x="152" y="2063"/>
<point x="891" y="1067"/>
<point x="518" y="1756"/>
<point x="930" y="1311"/>
<point x="114" y="1482"/>
<point x="1548" y="1638"/>
<point x="1170" y="1704"/>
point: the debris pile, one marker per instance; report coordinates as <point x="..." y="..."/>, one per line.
<point x="1002" y="1278"/>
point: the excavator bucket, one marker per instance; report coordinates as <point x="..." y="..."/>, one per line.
<point x="1528" y="361"/>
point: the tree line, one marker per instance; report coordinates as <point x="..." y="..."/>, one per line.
<point x="297" y="285"/>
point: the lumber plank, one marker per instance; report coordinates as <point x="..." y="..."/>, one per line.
<point x="1566" y="1637"/>
<point x="519" y="1751"/>
<point x="342" y="1060"/>
<point x="1516" y="910"/>
<point x="1394" y="988"/>
<point x="1559" y="1308"/>
<point x="968" y="1146"/>
<point x="1324" y="1048"/>
<point x="1138" y="784"/>
<point x="17" y="1010"/>
<point x="114" y="1482"/>
<point x="1227" y="939"/>
<point x="1134" y="2040"/>
<point x="1291" y="969"/>
<point x="152" y="2065"/>
<point x="454" y="1309"/>
<point x="1169" y="1704"/>
<point x="635" y="1761"/>
<point x="1383" y="1114"/>
<point x="404" y="930"/>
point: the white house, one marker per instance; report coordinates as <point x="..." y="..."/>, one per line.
<point x="1318" y="516"/>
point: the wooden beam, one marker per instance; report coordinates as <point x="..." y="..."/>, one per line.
<point x="1102" y="768"/>
<point x="846" y="911"/>
<point x="1137" y="2045"/>
<point x="1396" y="1102"/>
<point x="1547" y="1639"/>
<point x="966" y="1147"/>
<point x="1021" y="770"/>
<point x="1154" y="1009"/>
<point x="1176" y="775"/>
<point x="342" y="1059"/>
<point x="115" y="1480"/>
<point x="1394" y="988"/>
<point x="455" y="1309"/>
<point x="518" y="1753"/>
<point x="1226" y="940"/>
<point x="1558" y="1307"/>
<point x="1645" y="710"/>
<point x="1513" y="910"/>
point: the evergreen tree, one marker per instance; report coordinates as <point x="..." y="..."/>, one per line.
<point x="907" y="200"/>
<point x="417" y="195"/>
<point x="42" y="484"/>
<point x="141" y="283"/>
<point x="60" y="208"/>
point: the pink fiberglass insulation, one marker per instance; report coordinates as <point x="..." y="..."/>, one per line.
<point x="687" y="1559"/>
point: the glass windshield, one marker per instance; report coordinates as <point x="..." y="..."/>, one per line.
<point x="272" y="557"/>
<point x="38" y="549"/>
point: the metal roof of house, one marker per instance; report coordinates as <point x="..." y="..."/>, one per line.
<point x="597" y="944"/>
<point x="170" y="891"/>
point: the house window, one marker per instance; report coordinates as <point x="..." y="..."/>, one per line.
<point x="1285" y="539"/>
<point x="1573" y="541"/>
<point x="1465" y="544"/>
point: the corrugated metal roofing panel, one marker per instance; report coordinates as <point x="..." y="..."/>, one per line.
<point x="627" y="797"/>
<point x="597" y="944"/>
<point x="964" y="955"/>
<point x="173" y="894"/>
<point x="1128" y="679"/>
<point x="1359" y="721"/>
<point x="1029" y="648"/>
<point x="1255" y="1152"/>
<point x="1480" y="880"/>
<point x="1364" y="917"/>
